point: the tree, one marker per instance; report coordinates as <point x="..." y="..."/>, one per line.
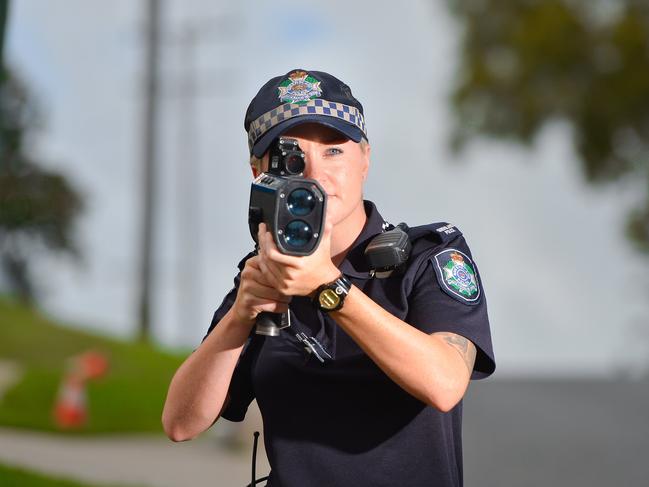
<point x="37" y="207"/>
<point x="526" y="62"/>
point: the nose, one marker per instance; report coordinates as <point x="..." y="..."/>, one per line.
<point x="313" y="169"/>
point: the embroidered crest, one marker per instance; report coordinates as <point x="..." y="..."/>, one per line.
<point x="457" y="276"/>
<point x="299" y="88"/>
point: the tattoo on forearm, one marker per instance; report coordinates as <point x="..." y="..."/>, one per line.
<point x="463" y="346"/>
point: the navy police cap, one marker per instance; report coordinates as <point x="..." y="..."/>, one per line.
<point x="302" y="96"/>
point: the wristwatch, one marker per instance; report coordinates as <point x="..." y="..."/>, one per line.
<point x="331" y="296"/>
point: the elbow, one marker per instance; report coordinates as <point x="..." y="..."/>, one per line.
<point x="177" y="435"/>
<point x="180" y="429"/>
<point x="445" y="399"/>
<point x="442" y="402"/>
<point x="175" y="430"/>
<point x="445" y="405"/>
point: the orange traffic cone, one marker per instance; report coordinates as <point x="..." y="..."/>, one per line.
<point x="92" y="364"/>
<point x="70" y="410"/>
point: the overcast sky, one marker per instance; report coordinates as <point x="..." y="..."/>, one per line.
<point x="566" y="292"/>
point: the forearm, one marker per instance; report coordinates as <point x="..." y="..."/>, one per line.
<point x="423" y="365"/>
<point x="199" y="388"/>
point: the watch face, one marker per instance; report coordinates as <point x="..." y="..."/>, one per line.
<point x="328" y="299"/>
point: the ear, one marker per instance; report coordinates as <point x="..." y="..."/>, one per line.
<point x="366" y="161"/>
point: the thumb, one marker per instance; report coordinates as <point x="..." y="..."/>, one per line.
<point x="328" y="230"/>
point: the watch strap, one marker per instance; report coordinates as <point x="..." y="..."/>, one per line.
<point x="331" y="296"/>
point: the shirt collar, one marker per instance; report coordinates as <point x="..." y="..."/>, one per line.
<point x="355" y="264"/>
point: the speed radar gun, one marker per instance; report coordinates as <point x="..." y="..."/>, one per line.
<point x="293" y="209"/>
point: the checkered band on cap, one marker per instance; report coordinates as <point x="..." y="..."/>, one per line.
<point x="316" y="106"/>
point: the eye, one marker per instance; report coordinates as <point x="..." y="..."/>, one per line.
<point x="334" y="151"/>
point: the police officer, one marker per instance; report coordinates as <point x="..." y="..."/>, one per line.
<point x="362" y="391"/>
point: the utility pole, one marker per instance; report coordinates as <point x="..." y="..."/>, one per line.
<point x="187" y="87"/>
<point x="188" y="167"/>
<point x="188" y="179"/>
<point x="4" y="8"/>
<point x="149" y="157"/>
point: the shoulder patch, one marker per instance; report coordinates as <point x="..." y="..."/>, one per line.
<point x="457" y="276"/>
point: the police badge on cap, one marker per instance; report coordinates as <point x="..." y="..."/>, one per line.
<point x="299" y="88"/>
<point x="302" y="96"/>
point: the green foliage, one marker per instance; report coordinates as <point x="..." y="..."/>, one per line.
<point x="526" y="62"/>
<point x="17" y="116"/>
<point x="12" y="476"/>
<point x="37" y="207"/>
<point x="128" y="399"/>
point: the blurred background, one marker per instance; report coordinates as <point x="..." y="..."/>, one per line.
<point x="124" y="186"/>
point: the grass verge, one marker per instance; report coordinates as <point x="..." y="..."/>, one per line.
<point x="12" y="476"/>
<point x="129" y="398"/>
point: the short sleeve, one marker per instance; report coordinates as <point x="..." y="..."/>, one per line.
<point x="448" y="296"/>
<point x="241" y="392"/>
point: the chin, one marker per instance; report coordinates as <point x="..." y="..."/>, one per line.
<point x="334" y="219"/>
<point x="338" y="215"/>
<point x="339" y="210"/>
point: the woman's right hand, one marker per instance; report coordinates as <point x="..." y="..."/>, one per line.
<point x="255" y="295"/>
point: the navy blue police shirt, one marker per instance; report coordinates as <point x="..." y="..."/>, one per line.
<point x="331" y="416"/>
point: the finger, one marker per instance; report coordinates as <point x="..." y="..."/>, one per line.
<point x="265" y="293"/>
<point x="277" y="258"/>
<point x="273" y="256"/>
<point x="269" y="242"/>
<point x="259" y="272"/>
<point x="265" y="241"/>
<point x="276" y="308"/>
<point x="262" y="229"/>
<point x="328" y="229"/>
<point x="256" y="287"/>
<point x="269" y="306"/>
<point x="270" y="272"/>
<point x="253" y="262"/>
<point x="252" y="271"/>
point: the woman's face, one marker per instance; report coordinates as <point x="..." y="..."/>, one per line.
<point x="339" y="164"/>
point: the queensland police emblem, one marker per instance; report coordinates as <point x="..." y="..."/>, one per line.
<point x="299" y="88"/>
<point x="457" y="276"/>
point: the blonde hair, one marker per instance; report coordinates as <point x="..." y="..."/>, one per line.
<point x="255" y="163"/>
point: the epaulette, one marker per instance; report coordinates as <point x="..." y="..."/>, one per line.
<point x="440" y="232"/>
